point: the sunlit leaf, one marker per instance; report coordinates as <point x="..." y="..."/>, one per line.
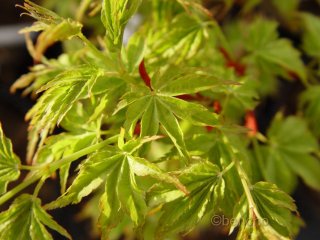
<point x="115" y="15"/>
<point x="25" y="219"/>
<point x="117" y="169"/>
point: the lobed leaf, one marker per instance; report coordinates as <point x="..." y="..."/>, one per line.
<point x="289" y="153"/>
<point x="117" y="170"/>
<point x="61" y="94"/>
<point x="264" y="221"/>
<point x="263" y="42"/>
<point x="182" y="213"/>
<point x="25" y="219"/>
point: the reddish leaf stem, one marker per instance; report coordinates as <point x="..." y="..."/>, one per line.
<point x="144" y="75"/>
<point x="239" y="68"/>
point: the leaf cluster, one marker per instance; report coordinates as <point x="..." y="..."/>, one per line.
<point x="162" y="129"/>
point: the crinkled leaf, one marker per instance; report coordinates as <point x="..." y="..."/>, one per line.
<point x="60" y="95"/>
<point x="40" y="74"/>
<point x="54" y="28"/>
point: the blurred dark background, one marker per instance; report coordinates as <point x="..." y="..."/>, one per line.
<point x="15" y="60"/>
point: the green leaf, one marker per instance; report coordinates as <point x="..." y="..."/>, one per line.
<point x="60" y="95"/>
<point x="241" y="97"/>
<point x="308" y="168"/>
<point x="182" y="213"/>
<point x="261" y="33"/>
<point x="286" y="8"/>
<point x="262" y="41"/>
<point x="289" y="152"/>
<point x="195" y="5"/>
<point x="9" y="163"/>
<point x="117" y="169"/>
<point x="39" y="75"/>
<point x="185" y="38"/>
<point x="292" y="135"/>
<point x="115" y="15"/>
<point x="171" y="127"/>
<point x="59" y="146"/>
<point x="91" y="175"/>
<point x="189" y="82"/>
<point x="249" y="5"/>
<point x="150" y="120"/>
<point x="310" y="105"/>
<point x="80" y="118"/>
<point x="130" y="195"/>
<point x="195" y="113"/>
<point x="111" y="213"/>
<point x="311" y="35"/>
<point x="159" y="106"/>
<point x="43" y="15"/>
<point x="264" y="221"/>
<point x="135" y="111"/>
<point x="282" y="53"/>
<point x="275" y="170"/>
<point x="135" y="52"/>
<point x="26" y="220"/>
<point x="142" y="108"/>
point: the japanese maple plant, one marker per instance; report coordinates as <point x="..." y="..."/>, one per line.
<point x="162" y="130"/>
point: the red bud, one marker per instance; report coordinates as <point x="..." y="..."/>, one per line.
<point x="251" y="123"/>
